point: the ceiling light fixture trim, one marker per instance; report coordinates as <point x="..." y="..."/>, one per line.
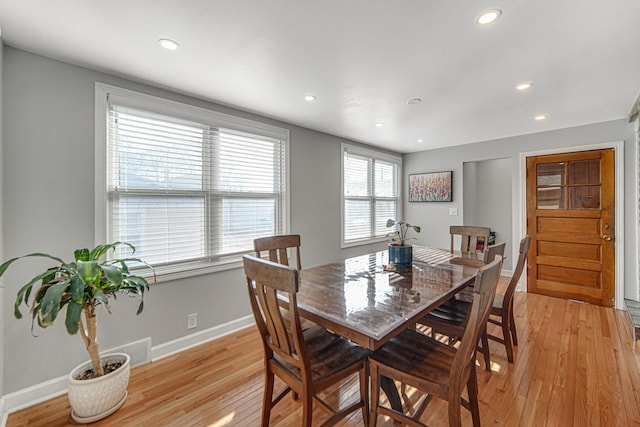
<point x="169" y="44"/>
<point x="488" y="16"/>
<point x="522" y="86"/>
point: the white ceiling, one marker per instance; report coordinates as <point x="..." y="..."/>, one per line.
<point x="363" y="59"/>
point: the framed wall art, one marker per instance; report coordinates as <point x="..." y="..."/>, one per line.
<point x="430" y="187"/>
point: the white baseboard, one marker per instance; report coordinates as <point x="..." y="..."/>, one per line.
<point x="184" y="343"/>
<point x="3" y="414"/>
<point x="141" y="352"/>
<point x="33" y="395"/>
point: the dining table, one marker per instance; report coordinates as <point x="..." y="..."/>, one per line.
<point x="369" y="301"/>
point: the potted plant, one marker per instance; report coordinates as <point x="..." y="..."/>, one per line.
<point x="400" y="252"/>
<point x="81" y="286"/>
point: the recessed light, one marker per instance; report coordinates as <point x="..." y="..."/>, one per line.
<point x="524" y="86"/>
<point x="168" y="44"/>
<point x="420" y="140"/>
<point x="310" y="98"/>
<point x="379" y="125"/>
<point x="541" y="117"/>
<point x="488" y="16"/>
<point x="414" y="101"/>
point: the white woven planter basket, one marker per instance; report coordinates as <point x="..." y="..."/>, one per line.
<point x="97" y="398"/>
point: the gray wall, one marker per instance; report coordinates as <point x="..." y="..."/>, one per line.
<point x="436" y="220"/>
<point x="487" y="199"/>
<point x="49" y="207"/>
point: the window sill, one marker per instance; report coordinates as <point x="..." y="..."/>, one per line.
<point x="166" y="273"/>
<point x="363" y="242"/>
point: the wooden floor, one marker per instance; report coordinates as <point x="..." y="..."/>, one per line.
<point x="575" y="366"/>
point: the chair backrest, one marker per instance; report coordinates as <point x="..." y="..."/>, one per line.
<point x="491" y="251"/>
<point x="522" y="258"/>
<point x="468" y="236"/>
<point x="277" y="248"/>
<point x="484" y="291"/>
<point x="265" y="281"/>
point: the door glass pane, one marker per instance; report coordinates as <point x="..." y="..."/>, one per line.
<point x="551" y="198"/>
<point x="587" y="197"/>
<point x="550" y="173"/>
<point x="584" y="172"/>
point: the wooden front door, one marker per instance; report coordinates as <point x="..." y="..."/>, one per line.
<point x="571" y="222"/>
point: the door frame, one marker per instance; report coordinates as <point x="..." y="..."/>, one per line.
<point x="618" y="147"/>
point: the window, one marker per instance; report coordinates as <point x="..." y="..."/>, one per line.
<point x="188" y="187"/>
<point x="370" y="196"/>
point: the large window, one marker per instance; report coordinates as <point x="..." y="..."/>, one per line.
<point x="190" y="188"/>
<point x="371" y="194"/>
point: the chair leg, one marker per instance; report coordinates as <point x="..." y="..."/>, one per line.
<point x="485" y="350"/>
<point x="472" y="391"/>
<point x="454" y="404"/>
<point x="266" y="399"/>
<point x="307" y="406"/>
<point x="364" y="392"/>
<point x="514" y="335"/>
<point x="375" y="394"/>
<point x="506" y="334"/>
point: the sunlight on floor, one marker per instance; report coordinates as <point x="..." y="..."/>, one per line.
<point x="224" y="421"/>
<point x="496" y="367"/>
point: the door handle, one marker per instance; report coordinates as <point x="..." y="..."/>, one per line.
<point x="607" y="237"/>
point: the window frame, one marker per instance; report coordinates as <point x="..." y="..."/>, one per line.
<point x="372" y="155"/>
<point x="103" y="94"/>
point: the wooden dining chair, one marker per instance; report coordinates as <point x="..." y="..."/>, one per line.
<point x="491" y="251"/>
<point x="469" y="237"/>
<point x="435" y="368"/>
<point x="277" y="248"/>
<point x="308" y="362"/>
<point x="450" y="318"/>
<point x="502" y="309"/>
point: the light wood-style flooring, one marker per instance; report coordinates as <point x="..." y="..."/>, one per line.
<point x="575" y="366"/>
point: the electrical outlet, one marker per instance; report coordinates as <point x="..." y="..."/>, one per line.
<point x="192" y="320"/>
<point x="453" y="211"/>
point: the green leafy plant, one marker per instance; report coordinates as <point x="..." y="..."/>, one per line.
<point x="80" y="286"/>
<point x="400" y="234"/>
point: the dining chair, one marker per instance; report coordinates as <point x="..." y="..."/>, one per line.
<point x="491" y="251"/>
<point x="308" y="362"/>
<point x="469" y="237"/>
<point x="433" y="367"/>
<point x="277" y="248"/>
<point x="450" y="318"/>
<point x="502" y="309"/>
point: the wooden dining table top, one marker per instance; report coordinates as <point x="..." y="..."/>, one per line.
<point x="359" y="299"/>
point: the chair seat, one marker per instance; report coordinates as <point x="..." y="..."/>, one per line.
<point x="465" y="296"/>
<point x="328" y="354"/>
<point x="418" y="356"/>
<point x="452" y="312"/>
<point x="450" y="319"/>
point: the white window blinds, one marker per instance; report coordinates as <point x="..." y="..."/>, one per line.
<point x="185" y="192"/>
<point x="370" y="194"/>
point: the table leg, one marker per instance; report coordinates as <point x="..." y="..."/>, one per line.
<point x="390" y="389"/>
